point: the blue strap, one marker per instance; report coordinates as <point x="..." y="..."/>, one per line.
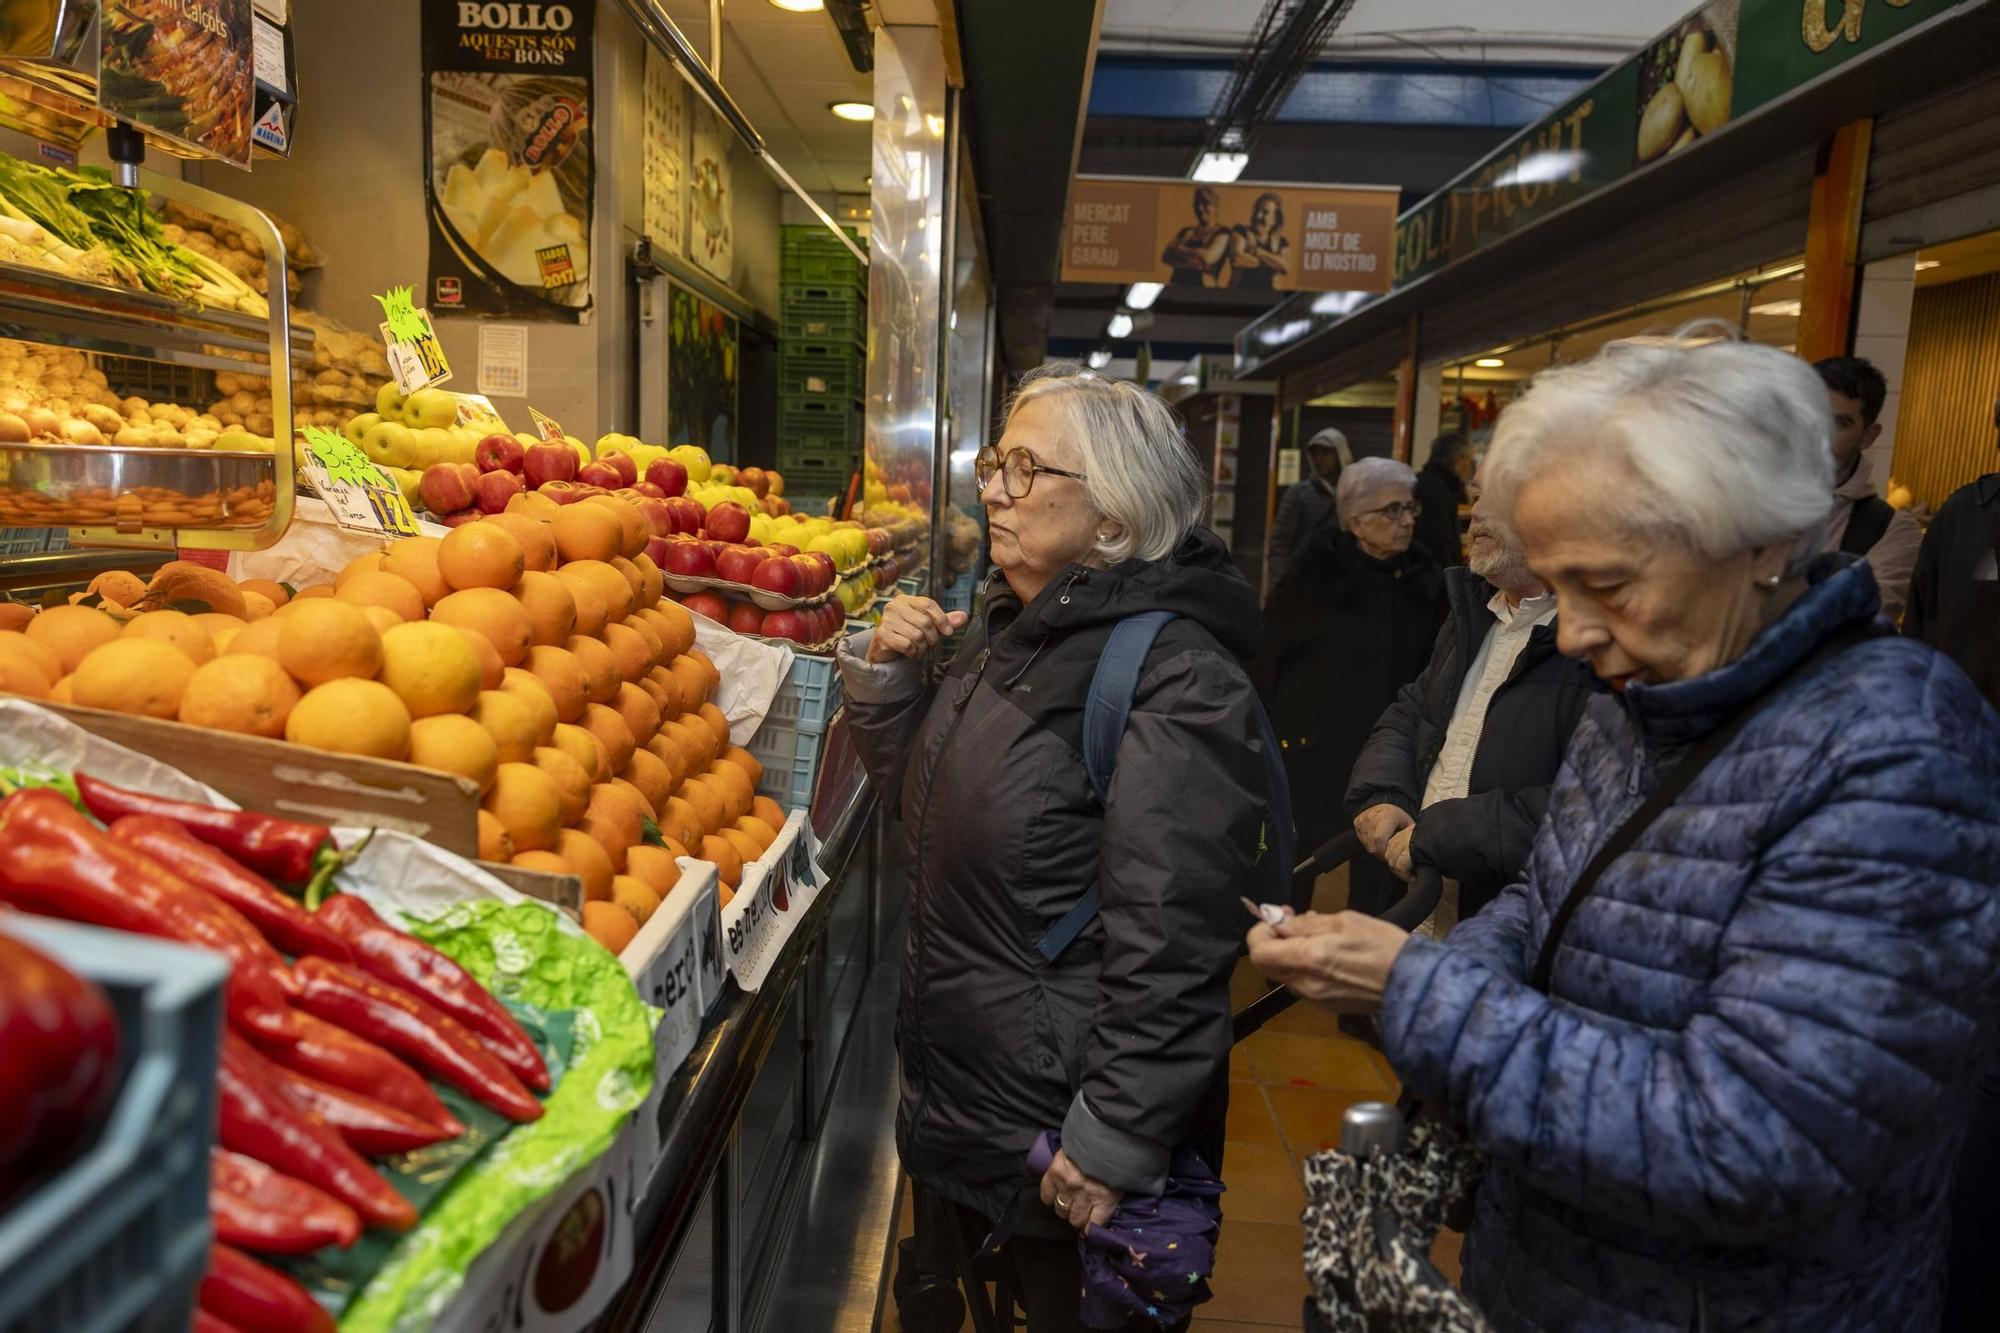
<point x="1105" y="710"/>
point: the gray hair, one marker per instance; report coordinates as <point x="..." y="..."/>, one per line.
<point x="1366" y="476"/>
<point x="1731" y="442"/>
<point x="1142" y="474"/>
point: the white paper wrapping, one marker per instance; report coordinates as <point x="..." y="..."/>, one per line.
<point x="751" y="674"/>
<point x="312" y="551"/>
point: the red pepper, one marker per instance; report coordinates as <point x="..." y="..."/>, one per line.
<point x="371" y="1128"/>
<point x="267" y="1212"/>
<point x="256" y="1299"/>
<point x="204" y="1322"/>
<point x="259" y="1121"/>
<point x="283" y="922"/>
<point x="55" y="861"/>
<point x="58" y="1062"/>
<point x="414" y="1030"/>
<point x="281" y="849"/>
<point x="334" y="1055"/>
<point x="414" y="967"/>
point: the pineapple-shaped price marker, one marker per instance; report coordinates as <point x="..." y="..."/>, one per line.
<point x="361" y="495"/>
<point x="416" y="357"/>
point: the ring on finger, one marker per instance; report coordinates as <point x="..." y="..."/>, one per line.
<point x="1062" y="1203"/>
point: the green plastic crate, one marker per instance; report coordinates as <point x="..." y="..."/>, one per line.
<point x="837" y="376"/>
<point x="822" y="314"/>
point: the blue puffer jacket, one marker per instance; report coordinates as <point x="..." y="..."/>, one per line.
<point x="1740" y="1107"/>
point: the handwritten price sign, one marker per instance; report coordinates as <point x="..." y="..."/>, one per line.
<point x="416" y="357"/>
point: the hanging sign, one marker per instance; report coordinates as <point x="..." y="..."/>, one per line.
<point x="508" y="157"/>
<point x="361" y="495"/>
<point x="416" y="357"/>
<point x="181" y="69"/>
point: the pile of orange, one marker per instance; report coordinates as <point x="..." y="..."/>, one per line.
<point x="530" y="652"/>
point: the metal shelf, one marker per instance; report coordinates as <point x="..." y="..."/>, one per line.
<point x="111" y="493"/>
<point x="37" y="305"/>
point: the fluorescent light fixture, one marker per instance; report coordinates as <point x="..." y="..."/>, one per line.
<point x="1338" y="303"/>
<point x="1923" y="264"/>
<point x="1489" y="363"/>
<point x="1783" y="309"/>
<point x="1189" y="380"/>
<point x="1141" y="295"/>
<point x="1099" y="359"/>
<point x="1540" y="168"/>
<point x="1120" y="325"/>
<point x="800" y="6"/>
<point x="1290" y="331"/>
<point x="1221" y="167"/>
<point x="852" y="110"/>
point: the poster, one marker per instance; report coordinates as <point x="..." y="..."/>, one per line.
<point x="711" y="200"/>
<point x="508" y="160"/>
<point x="184" y="69"/>
<point x="701" y="374"/>
<point x="1291" y="238"/>
<point x="1686" y="79"/>
<point x="663" y="165"/>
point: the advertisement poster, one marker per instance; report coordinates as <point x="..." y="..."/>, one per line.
<point x="1686" y="80"/>
<point x="508" y="158"/>
<point x="701" y="374"/>
<point x="1288" y="238"/>
<point x="184" y="69"/>
<point x="663" y="165"/>
<point x="711" y="199"/>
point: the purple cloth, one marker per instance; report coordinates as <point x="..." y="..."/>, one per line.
<point x="1154" y="1257"/>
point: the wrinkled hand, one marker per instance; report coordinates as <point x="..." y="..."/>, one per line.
<point x="1397" y="854"/>
<point x="1379" y="823"/>
<point x="1339" y="962"/>
<point x="912" y="627"/>
<point x="1075" y="1197"/>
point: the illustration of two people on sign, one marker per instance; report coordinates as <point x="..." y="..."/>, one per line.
<point x="1247" y="255"/>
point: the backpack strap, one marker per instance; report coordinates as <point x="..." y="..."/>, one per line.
<point x="1867" y="521"/>
<point x="1105" y="710"/>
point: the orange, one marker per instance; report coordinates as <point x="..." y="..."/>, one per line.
<point x="480" y="555"/>
<point x="538" y="544"/>
<point x="493" y="613"/>
<point x="317" y="590"/>
<point x="583" y="747"/>
<point x="142" y="676"/>
<point x="256" y="606"/>
<point x="760" y="832"/>
<point x="586" y="532"/>
<point x="672" y="705"/>
<point x="656" y="692"/>
<point x="608" y="923"/>
<point x="382" y="618"/>
<point x="491" y="668"/>
<point x="562" y="676"/>
<point x="725" y="796"/>
<point x="494" y="842"/>
<point x="510" y="722"/>
<point x="600" y="668"/>
<point x="652" y="584"/>
<point x="386" y="590"/>
<point x="259" y="637"/>
<point x="550" y="605"/>
<point x="679" y="823"/>
<point x="432" y="668"/>
<point x="70" y="632"/>
<point x="641" y="714"/>
<point x="528" y="688"/>
<point x="572" y="779"/>
<point x="248" y="694"/>
<point x="534" y="505"/>
<point x="633" y="579"/>
<point x="605" y="829"/>
<point x="270" y="589"/>
<point x="724" y="895"/>
<point x="219" y="625"/>
<point x="727" y="860"/>
<point x="362" y="564"/>
<point x="15" y="616"/>
<point x="668" y="751"/>
<point x="121" y="587"/>
<point x="415" y="559"/>
<point x="635" y="896"/>
<point x="623" y="808"/>
<point x="654" y="867"/>
<point x="13" y="643"/>
<point x="528" y="804"/>
<point x="768" y="810"/>
<point x="632" y="531"/>
<point x="454" y="743"/>
<point x="737" y="785"/>
<point x="590" y="607"/>
<point x="20" y="675"/>
<point x="611" y="732"/>
<point x="587" y="861"/>
<point x="746" y="847"/>
<point x="626" y="644"/>
<point x="744" y="760"/>
<point x="707" y="803"/>
<point x="325" y="639"/>
<point x="176" y="629"/>
<point x="630" y="791"/>
<point x="676" y="628"/>
<point x="717" y="723"/>
<point x="547" y="863"/>
<point x="687" y="674"/>
<point x="351" y="716"/>
<point x="653" y="778"/>
<point x="655" y="647"/>
<point x="696" y="744"/>
<point x="610" y="584"/>
<point x="708" y="670"/>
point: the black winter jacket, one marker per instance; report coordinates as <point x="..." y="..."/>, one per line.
<point x="1441" y="491"/>
<point x="1955" y="592"/>
<point x="1123" y="1041"/>
<point x="1481" y="839"/>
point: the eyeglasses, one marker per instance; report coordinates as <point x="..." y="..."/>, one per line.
<point x="1396" y="512"/>
<point x="1017" y="470"/>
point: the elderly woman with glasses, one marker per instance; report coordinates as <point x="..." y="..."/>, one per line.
<point x="1349" y="625"/>
<point x="1120" y="1039"/>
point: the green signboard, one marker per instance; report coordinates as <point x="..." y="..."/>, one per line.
<point x="1787" y="43"/>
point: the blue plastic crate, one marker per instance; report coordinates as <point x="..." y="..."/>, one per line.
<point x="810" y="696"/>
<point x="791" y="762"/>
<point x="117" y="1242"/>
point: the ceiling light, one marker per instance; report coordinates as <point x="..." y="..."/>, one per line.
<point x="800" y="6"/>
<point x="1141" y="295"/>
<point x="852" y="110"/>
<point x="1120" y="325"/>
<point x="1783" y="309"/>
<point x="1923" y="264"/>
<point x="1222" y="167"/>
<point x="1188" y="380"/>
<point x="934" y="123"/>
<point x="1489" y="363"/>
<point x="1099" y="359"/>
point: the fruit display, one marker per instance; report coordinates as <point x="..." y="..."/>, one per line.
<point x="338" y="382"/>
<point x="239" y="250"/>
<point x="57" y="395"/>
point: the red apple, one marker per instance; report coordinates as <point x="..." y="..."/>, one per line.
<point x="670" y="476"/>
<point x="776" y="506"/>
<point x="689" y="559"/>
<point x="626" y="465"/>
<point x="549" y="461"/>
<point x="784" y="548"/>
<point x="829" y="575"/>
<point x="746" y="619"/>
<point x="562" y="492"/>
<point x="658" y="514"/>
<point x="779" y="575"/>
<point x="602" y="474"/>
<point x="728" y="522"/>
<point x="649" y="490"/>
<point x="688" y="515"/>
<point x="711" y="604"/>
<point x="738" y="563"/>
<point x="462" y="517"/>
<point x="787" y="625"/>
<point x="446" y="488"/>
<point x="656" y="551"/>
<point x="499" y="453"/>
<point x="756" y="479"/>
<point x="494" y="489"/>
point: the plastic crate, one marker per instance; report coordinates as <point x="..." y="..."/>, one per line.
<point x="117" y="1242"/>
<point x="808" y="480"/>
<point x="838" y="377"/>
<point x="789" y="742"/>
<point x="821" y="313"/>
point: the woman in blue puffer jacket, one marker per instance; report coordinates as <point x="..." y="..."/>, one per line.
<point x="1738" y="1103"/>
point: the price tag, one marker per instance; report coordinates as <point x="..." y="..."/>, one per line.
<point x="416" y="358"/>
<point x="550" y="428"/>
<point x="476" y="409"/>
<point x="362" y="496"/>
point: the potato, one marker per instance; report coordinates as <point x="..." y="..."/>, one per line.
<point x="1661" y="123"/>
<point x="1706" y="90"/>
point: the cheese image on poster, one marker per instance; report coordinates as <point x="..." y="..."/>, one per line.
<point x="516" y="220"/>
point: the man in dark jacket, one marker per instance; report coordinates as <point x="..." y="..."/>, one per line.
<point x="1441" y="490"/>
<point x="1308" y="503"/>
<point x="1863" y="523"/>
<point x="1456" y="774"/>
<point x="1955" y="592"/>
